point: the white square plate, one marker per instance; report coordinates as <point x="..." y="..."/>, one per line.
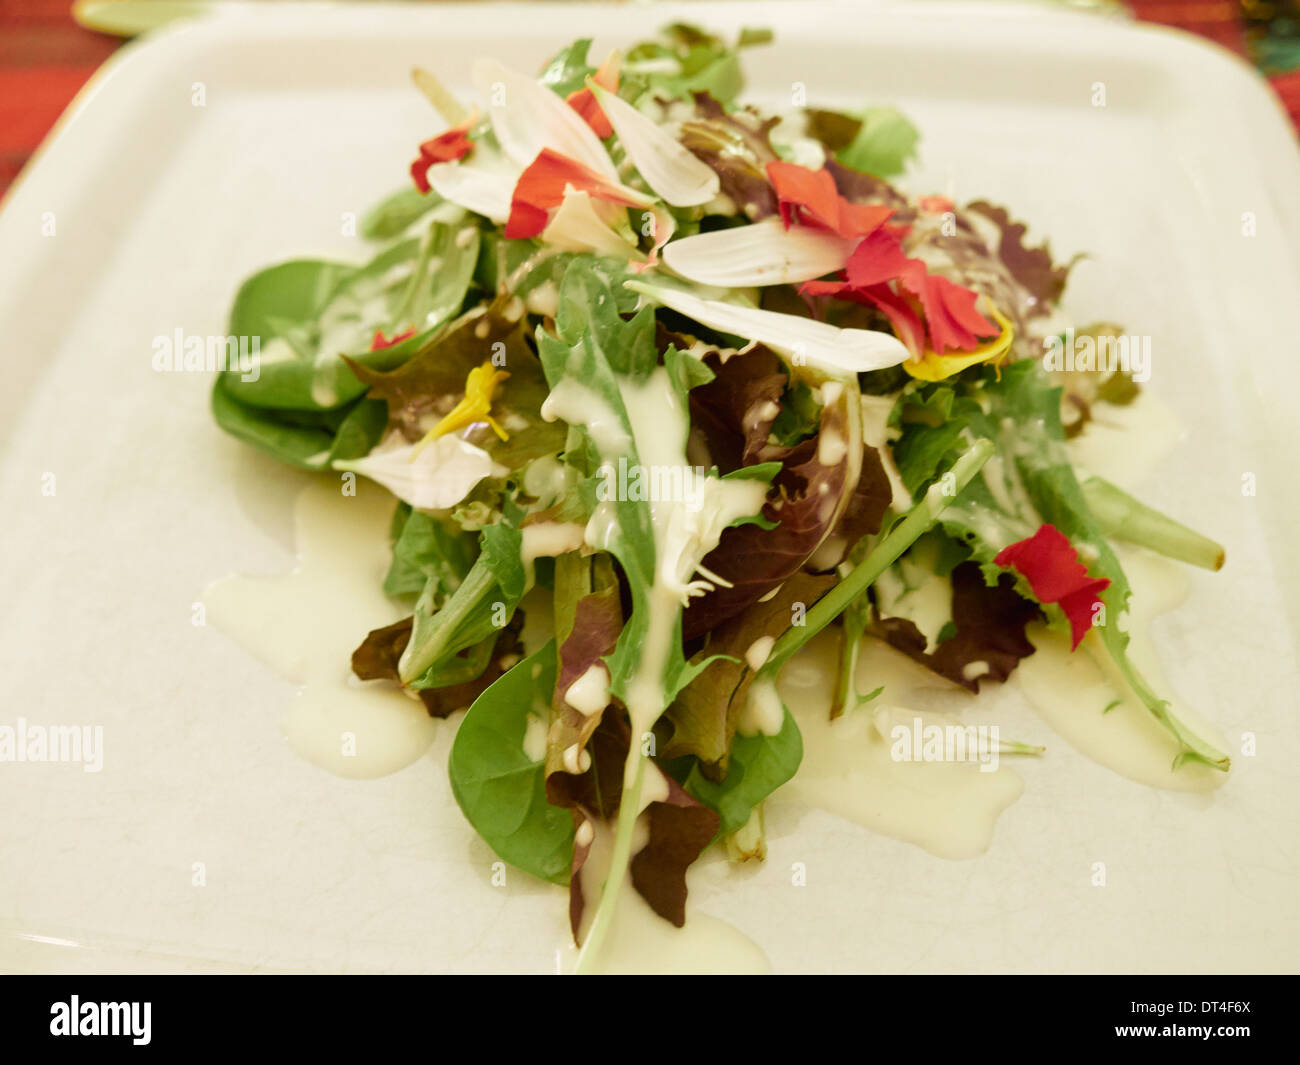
<point x="159" y="209"/>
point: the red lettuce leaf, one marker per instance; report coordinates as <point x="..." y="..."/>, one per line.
<point x="990" y="627"/>
<point x="679" y="827"/>
<point x="736" y="146"/>
<point x="806" y="500"/>
<point x="1032" y="267"/>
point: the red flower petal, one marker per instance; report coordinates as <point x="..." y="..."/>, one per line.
<point x="935" y="204"/>
<point x="447" y="146"/>
<point x="584" y="100"/>
<point x="902" y="315"/>
<point x="950" y="319"/>
<point x="950" y="315"/>
<point x="810" y="197"/>
<point x="541" y="188"/>
<point x="378" y="343"/>
<point x="1055" y="574"/>
<point x="879" y="258"/>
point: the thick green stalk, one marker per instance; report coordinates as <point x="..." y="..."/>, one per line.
<point x="1126" y="518"/>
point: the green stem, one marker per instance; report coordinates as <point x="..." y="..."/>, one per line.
<point x="854" y="626"/>
<point x="628" y="809"/>
<point x="1126" y="518"/>
<point x="920" y="518"/>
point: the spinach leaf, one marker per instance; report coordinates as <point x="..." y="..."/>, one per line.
<point x="568" y="70"/>
<point x="499" y="788"/>
<point x="309" y="440"/>
<point x="758" y="765"/>
<point x="308" y="314"/>
<point x="396" y="213"/>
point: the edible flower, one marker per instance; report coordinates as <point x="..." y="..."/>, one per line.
<point x="584" y="101"/>
<point x="811" y="198"/>
<point x="1055" y="575"/>
<point x="481" y="387"/>
<point x="451" y="145"/>
<point x="432" y="478"/>
<point x="931" y="366"/>
<point x="379" y="343"/>
<point x="929" y="313"/>
<point x="544" y="184"/>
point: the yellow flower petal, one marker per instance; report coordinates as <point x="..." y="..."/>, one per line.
<point x="932" y="366"/>
<point x="481" y="387"/>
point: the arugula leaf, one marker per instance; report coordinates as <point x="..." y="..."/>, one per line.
<point x="425" y="548"/>
<point x="1031" y="482"/>
<point x="474" y="615"/>
<point x="499" y="788"/>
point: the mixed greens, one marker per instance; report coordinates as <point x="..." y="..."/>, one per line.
<point x="684" y="384"/>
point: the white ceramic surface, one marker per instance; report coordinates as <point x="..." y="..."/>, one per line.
<point x="160" y="208"/>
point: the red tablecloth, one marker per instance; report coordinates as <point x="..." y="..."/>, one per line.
<point x="45" y="58"/>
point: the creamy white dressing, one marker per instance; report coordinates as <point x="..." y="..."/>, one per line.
<point x="877" y="433"/>
<point x="947" y="808"/>
<point x="640" y="941"/>
<point x="536" y="731"/>
<point x="306" y="623"/>
<point x="1071" y="690"/>
<point x="911" y="589"/>
<point x="546" y="539"/>
<point x="756" y="654"/>
<point x="589" y="694"/>
<point x="1125" y="444"/>
<point x="762" y="713"/>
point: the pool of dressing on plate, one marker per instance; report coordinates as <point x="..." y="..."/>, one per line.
<point x="294" y="623"/>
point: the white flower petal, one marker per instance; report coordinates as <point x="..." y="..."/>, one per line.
<point x="577" y="225"/>
<point x="676" y="176"/>
<point x="801" y="340"/>
<point x="531" y="117"/>
<point x="441" y="475"/>
<point x="482" y="182"/>
<point x="765" y="253"/>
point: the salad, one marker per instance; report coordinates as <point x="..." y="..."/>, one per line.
<point x="684" y="384"/>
